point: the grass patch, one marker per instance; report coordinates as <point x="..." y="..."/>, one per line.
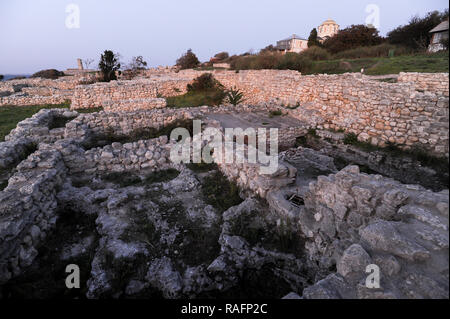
<point x="430" y="63"/>
<point x="11" y="115"/>
<point x="126" y="179"/>
<point x="196" y="98"/>
<point x="201" y="167"/>
<point x="162" y="176"/>
<point x="275" y="113"/>
<point x="219" y="192"/>
<point x="89" y="110"/>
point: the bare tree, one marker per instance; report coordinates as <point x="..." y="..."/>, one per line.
<point x="136" y="65"/>
<point x="87" y="62"/>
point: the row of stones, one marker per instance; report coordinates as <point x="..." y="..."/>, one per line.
<point x="95" y="95"/>
<point x="134" y="104"/>
<point x="34" y="91"/>
<point x="431" y="82"/>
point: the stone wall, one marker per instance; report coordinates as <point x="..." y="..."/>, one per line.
<point x="411" y="112"/>
<point x="134" y="104"/>
<point x="427" y="82"/>
<point x="94" y="95"/>
<point x="28" y="207"/>
<point x="35" y="91"/>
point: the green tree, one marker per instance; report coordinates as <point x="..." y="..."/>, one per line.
<point x="222" y="55"/>
<point x="108" y="65"/>
<point x="312" y="40"/>
<point x="188" y="60"/>
<point x="416" y="34"/>
<point x="1" y="77"/>
<point x="353" y="37"/>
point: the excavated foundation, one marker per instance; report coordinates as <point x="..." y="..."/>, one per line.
<point x="103" y="194"/>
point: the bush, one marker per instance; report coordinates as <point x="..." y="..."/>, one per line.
<point x="416" y="34"/>
<point x="108" y="65"/>
<point x="316" y="53"/>
<point x="235" y="96"/>
<point x="204" y="90"/>
<point x="135" y="67"/>
<point x="353" y="37"/>
<point x="294" y="61"/>
<point x="206" y="81"/>
<point x="376" y="51"/>
<point x="188" y="60"/>
<point x="48" y="74"/>
<point x="262" y="61"/>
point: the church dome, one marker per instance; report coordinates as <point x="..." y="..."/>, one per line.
<point x="329" y="21"/>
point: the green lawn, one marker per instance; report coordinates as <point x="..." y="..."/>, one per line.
<point x="196" y="98"/>
<point x="430" y="63"/>
<point x="11" y="115"/>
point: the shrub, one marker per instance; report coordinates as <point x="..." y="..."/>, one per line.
<point x="294" y="61"/>
<point x="188" y="60"/>
<point x="136" y="65"/>
<point x="206" y="81"/>
<point x="235" y="96"/>
<point x="108" y="65"/>
<point x="204" y="90"/>
<point x="376" y="51"/>
<point x="48" y="74"/>
<point x="353" y="37"/>
<point x="219" y="192"/>
<point x="316" y="53"/>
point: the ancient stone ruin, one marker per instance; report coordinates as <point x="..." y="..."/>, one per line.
<point x="99" y="190"/>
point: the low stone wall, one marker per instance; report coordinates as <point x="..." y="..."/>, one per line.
<point x="34" y="91"/>
<point x="36" y="128"/>
<point x="151" y="154"/>
<point x="25" y="99"/>
<point x="28" y="210"/>
<point x="427" y="82"/>
<point x="12" y="152"/>
<point x="134" y="104"/>
<point x="94" y="95"/>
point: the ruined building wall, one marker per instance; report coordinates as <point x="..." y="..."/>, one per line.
<point x="95" y="95"/>
<point x="430" y="82"/>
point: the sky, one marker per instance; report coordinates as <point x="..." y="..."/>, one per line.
<point x="42" y="34"/>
